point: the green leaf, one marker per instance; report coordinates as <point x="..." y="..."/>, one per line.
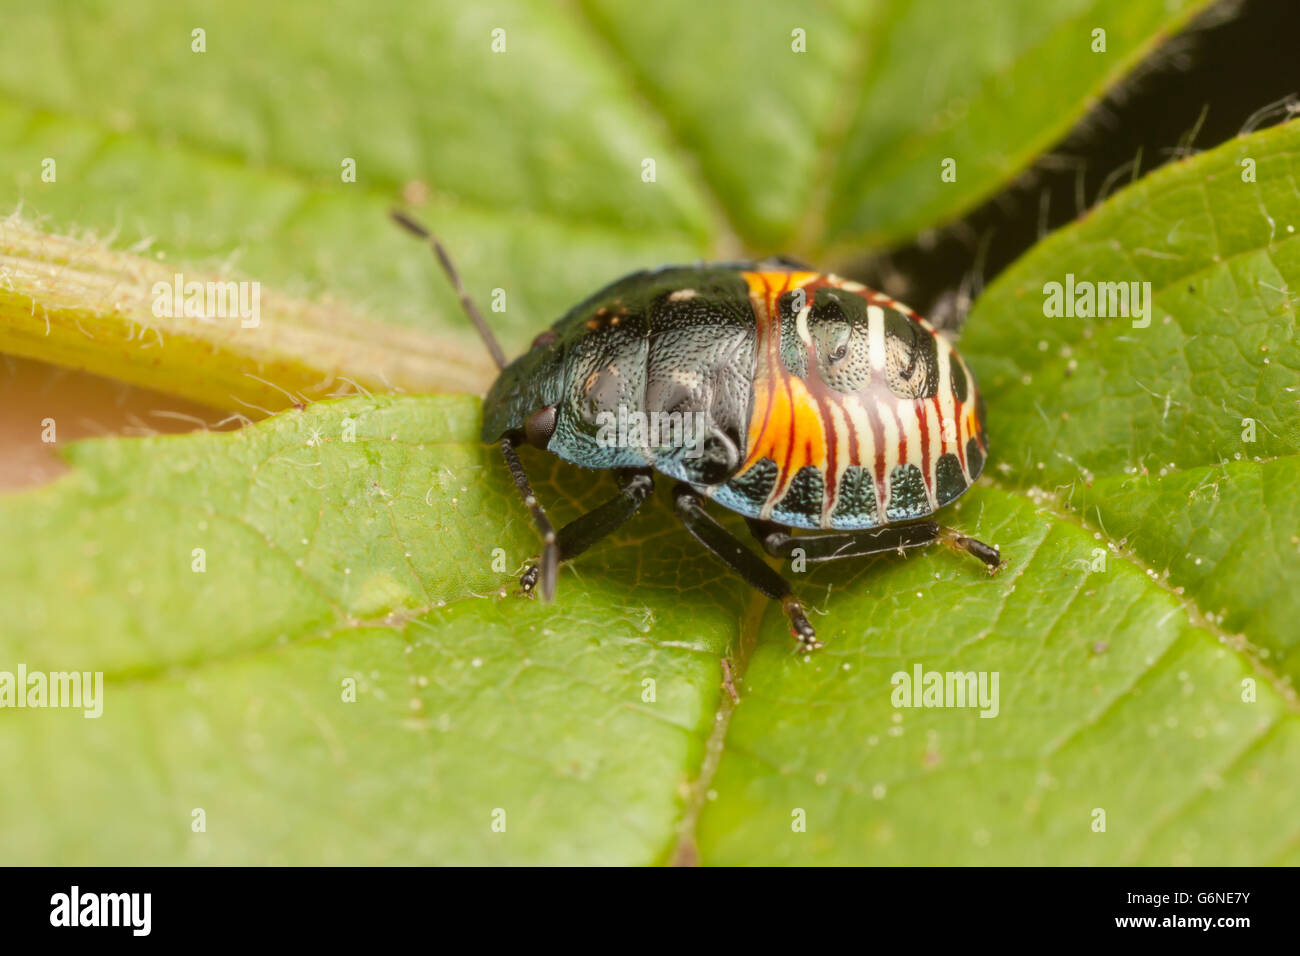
<point x="1120" y="691"/>
<point x="1139" y="633"/>
<point x="1156" y="683"/>
<point x="1141" y="431"/>
<point x="229" y="163"/>
<point x="1111" y="698"/>
<point x="324" y="561"/>
<point x="846" y="142"/>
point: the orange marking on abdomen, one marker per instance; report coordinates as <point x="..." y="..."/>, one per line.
<point x="770" y="286"/>
<point x="785" y="424"/>
<point x="792" y="434"/>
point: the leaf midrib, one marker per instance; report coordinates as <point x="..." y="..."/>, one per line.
<point x="682" y="842"/>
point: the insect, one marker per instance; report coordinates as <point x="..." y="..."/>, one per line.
<point x="812" y="403"/>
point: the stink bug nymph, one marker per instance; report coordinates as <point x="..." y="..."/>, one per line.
<point x="817" y="404"/>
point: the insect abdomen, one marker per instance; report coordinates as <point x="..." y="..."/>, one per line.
<point x="862" y="414"/>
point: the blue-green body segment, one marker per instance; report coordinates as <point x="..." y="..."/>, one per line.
<point x="791" y="396"/>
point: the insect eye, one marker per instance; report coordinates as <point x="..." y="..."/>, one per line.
<point x="540" y="426"/>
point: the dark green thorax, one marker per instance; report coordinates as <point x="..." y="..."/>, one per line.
<point x="673" y="340"/>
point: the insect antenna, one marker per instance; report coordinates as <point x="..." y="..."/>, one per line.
<point x="475" y="316"/>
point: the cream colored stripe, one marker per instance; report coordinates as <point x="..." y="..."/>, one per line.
<point x="962" y="435"/>
<point x="909" y="420"/>
<point x="840" y="425"/>
<point x="801" y="328"/>
<point x="876" y="337"/>
<point x="947" y="405"/>
<point x="891" y="454"/>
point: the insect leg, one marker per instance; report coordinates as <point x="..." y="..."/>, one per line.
<point x="831" y="546"/>
<point x="780" y="543"/>
<point x="690" y="509"/>
<point x="550" y="552"/>
<point x="987" y="553"/>
<point x="635" y="486"/>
